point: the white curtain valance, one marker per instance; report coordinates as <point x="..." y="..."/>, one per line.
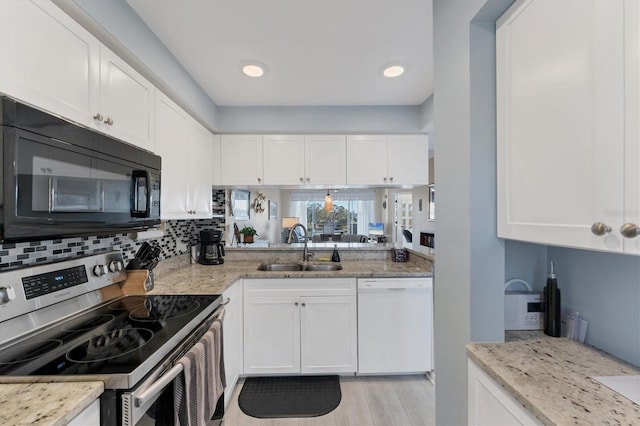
<point x="342" y="195"/>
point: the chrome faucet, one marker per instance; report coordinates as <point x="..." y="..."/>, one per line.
<point x="306" y="254"/>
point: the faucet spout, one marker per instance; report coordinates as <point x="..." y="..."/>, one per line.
<point x="305" y="254"/>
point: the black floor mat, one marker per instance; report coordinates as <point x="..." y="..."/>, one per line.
<point x="296" y="396"/>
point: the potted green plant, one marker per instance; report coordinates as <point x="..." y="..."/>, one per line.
<point x="248" y="232"/>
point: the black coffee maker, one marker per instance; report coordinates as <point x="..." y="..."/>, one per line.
<point x="211" y="248"/>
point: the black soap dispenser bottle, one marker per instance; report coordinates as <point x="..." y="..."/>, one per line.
<point x="552" y="305"/>
<point x="336" y="256"/>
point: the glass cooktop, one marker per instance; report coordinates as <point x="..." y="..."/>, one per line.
<point x="114" y="338"/>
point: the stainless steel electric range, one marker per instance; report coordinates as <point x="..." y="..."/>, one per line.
<point x="67" y="321"/>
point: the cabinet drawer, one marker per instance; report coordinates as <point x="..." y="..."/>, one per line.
<point x="275" y="287"/>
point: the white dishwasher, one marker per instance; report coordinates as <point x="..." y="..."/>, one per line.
<point x="395" y="325"/>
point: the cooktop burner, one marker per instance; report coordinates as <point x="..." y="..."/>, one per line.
<point x="111" y="339"/>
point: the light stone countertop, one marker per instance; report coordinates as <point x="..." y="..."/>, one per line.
<point x="214" y="279"/>
<point x="551" y="377"/>
<point x="49" y="404"/>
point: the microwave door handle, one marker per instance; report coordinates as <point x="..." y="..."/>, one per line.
<point x="51" y="195"/>
<point x="158" y="385"/>
<point x="136" y="175"/>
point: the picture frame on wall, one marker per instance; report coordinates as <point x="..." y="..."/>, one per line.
<point x="273" y="210"/>
<point x="240" y="205"/>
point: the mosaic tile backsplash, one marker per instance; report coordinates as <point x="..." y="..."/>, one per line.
<point x="178" y="238"/>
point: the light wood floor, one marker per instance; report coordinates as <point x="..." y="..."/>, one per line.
<point x="366" y="401"/>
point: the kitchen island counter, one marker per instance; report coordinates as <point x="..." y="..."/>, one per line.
<point x="551" y="378"/>
<point x="214" y="279"/>
<point x="45" y="404"/>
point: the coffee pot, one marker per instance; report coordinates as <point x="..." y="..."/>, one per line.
<point x="211" y="248"/>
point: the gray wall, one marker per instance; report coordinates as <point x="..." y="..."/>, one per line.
<point x="470" y="268"/>
<point x="605" y="289"/>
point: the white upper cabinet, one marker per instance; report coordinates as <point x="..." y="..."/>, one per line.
<point x="388" y="160"/>
<point x="325" y="159"/>
<point x="367" y="160"/>
<point x="185" y="148"/>
<point x="50" y="61"/>
<point x="283" y="159"/>
<point x="304" y="160"/>
<point x="199" y="171"/>
<point x="408" y="159"/>
<point x="568" y="123"/>
<point x="216" y="175"/>
<point x="172" y="128"/>
<point x="241" y="159"/>
<point x="126" y="102"/>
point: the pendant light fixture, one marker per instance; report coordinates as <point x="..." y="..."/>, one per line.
<point x="328" y="203"/>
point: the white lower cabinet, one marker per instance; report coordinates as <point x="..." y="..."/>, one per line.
<point x="490" y="404"/>
<point x="232" y="337"/>
<point x="300" y="326"/>
<point x="90" y="416"/>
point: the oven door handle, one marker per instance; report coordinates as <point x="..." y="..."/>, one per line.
<point x="157" y="386"/>
<point x="167" y="377"/>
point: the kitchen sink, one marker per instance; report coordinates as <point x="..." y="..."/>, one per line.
<point x="299" y="267"/>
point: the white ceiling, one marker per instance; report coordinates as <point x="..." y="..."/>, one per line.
<point x="317" y="52"/>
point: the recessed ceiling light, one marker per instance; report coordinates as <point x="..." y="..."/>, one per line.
<point x="253" y="68"/>
<point x="393" y="71"/>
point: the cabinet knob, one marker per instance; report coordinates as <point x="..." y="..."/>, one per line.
<point x="600" y="228"/>
<point x="108" y="121"/>
<point x="630" y="230"/>
<point x="98" y="116"/>
<point x="304" y="304"/>
<point x="308" y="179"/>
<point x="259" y="180"/>
<point x="295" y="304"/>
<point x="301" y="180"/>
<point x="385" y="179"/>
<point x="391" y="179"/>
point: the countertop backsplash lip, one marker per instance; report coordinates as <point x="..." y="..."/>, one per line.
<point x="551" y="377"/>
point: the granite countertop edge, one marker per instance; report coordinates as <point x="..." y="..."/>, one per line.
<point x="46" y="404"/>
<point x="217" y="278"/>
<point x="552" y="378"/>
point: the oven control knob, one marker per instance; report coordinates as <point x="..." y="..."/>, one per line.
<point x="116" y="266"/>
<point x="7" y="294"/>
<point x="99" y="270"/>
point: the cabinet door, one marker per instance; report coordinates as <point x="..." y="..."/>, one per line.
<point x="48" y="60"/>
<point x="283" y="159"/>
<point x="199" y="170"/>
<point x="560" y="114"/>
<point x="490" y="404"/>
<point x="271" y="335"/>
<point x="328" y="334"/>
<point x="367" y="160"/>
<point x="216" y="175"/>
<point x="232" y="337"/>
<point x="632" y="121"/>
<point x="408" y="159"/>
<point x="172" y="131"/>
<point x="325" y="160"/>
<point x="241" y="159"/>
<point x="126" y="101"/>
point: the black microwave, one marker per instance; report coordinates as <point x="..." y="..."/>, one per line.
<point x="63" y="180"/>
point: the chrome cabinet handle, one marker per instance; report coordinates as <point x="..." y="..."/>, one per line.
<point x="108" y="121"/>
<point x="98" y="117"/>
<point x="630" y="230"/>
<point x="226" y="302"/>
<point x="600" y="228"/>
